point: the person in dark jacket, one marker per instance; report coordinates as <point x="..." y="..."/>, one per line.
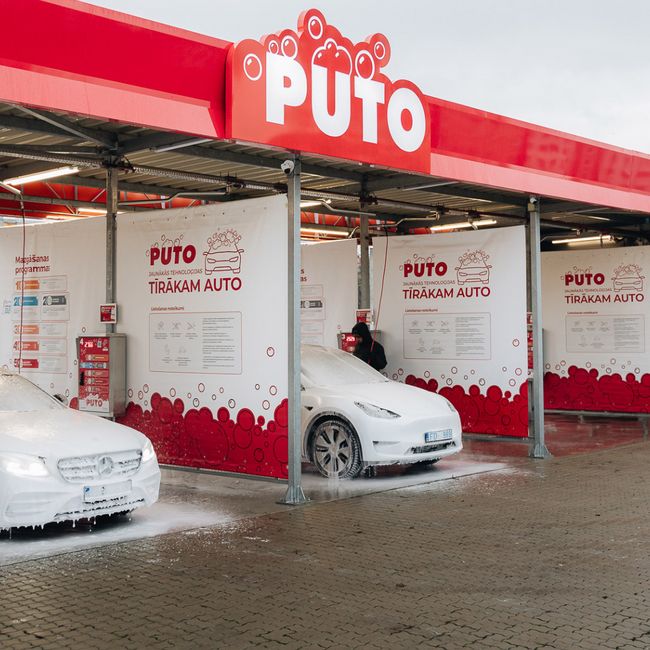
<point x="368" y="349"/>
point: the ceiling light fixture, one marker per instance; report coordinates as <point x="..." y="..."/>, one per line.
<point x="317" y="231"/>
<point x="463" y="224"/>
<point x="314" y="203"/>
<point x="41" y="176"/>
<point x="91" y="211"/>
<point x="603" y="239"/>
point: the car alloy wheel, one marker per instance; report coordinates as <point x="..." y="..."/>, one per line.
<point x="336" y="450"/>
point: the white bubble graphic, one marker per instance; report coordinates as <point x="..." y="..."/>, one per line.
<point x="315" y="27"/>
<point x="253" y="66"/>
<point x="289" y="47"/>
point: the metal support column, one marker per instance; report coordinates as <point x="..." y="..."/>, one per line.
<point x="112" y="199"/>
<point x="538" y="449"/>
<point x="364" y="271"/>
<point x="294" y="494"/>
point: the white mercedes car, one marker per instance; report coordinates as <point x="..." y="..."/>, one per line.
<point x="353" y="417"/>
<point x="57" y="464"/>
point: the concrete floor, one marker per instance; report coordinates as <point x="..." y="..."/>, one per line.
<point x="543" y="554"/>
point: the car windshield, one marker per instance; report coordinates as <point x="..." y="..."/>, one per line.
<point x="329" y="367"/>
<point x="18" y="394"/>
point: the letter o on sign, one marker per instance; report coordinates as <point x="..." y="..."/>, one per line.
<point x="404" y="99"/>
<point x="189" y="254"/>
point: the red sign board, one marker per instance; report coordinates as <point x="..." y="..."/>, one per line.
<point x="364" y="316"/>
<point x="27" y="363"/>
<point x="94" y="374"/>
<point x="108" y="313"/>
<point x="348" y="342"/>
<point x="315" y="90"/>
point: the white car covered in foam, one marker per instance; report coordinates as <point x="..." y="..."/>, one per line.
<point x="354" y="417"/>
<point x="57" y="464"/>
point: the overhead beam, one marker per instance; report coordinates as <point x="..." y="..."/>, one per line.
<point x="144" y="143"/>
<point x="241" y="158"/>
<point x="63" y="124"/>
<point x="381" y="215"/>
<point x="28" y="153"/>
<point x="402" y="182"/>
<point x="436" y="186"/>
<point x="32" y="126"/>
<point x="138" y="188"/>
<point x="32" y="167"/>
<point x="65" y="149"/>
<point x="51" y="200"/>
<point x="480" y="194"/>
<point x="151" y="141"/>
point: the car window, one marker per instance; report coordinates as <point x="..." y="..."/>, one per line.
<point x="18" y="394"/>
<point x="329" y="367"/>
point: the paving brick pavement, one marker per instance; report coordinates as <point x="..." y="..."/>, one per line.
<point x="553" y="555"/>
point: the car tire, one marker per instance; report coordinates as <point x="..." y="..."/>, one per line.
<point x="336" y="450"/>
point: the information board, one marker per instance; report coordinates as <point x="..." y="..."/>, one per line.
<point x="596" y="329"/>
<point x="202" y="296"/>
<point x="49" y="296"/>
<point x="453" y="320"/>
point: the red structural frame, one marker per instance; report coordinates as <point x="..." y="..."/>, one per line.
<point x="71" y="56"/>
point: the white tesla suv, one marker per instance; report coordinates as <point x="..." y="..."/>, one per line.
<point x="354" y="417"/>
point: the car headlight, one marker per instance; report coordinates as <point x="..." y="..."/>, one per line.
<point x="23" y="465"/>
<point x="148" y="452"/>
<point x="376" y="411"/>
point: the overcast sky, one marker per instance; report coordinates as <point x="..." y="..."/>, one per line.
<point x="581" y="66"/>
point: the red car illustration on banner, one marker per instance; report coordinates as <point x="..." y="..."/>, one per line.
<point x="473" y="268"/>
<point x="628" y="277"/>
<point x="223" y="253"/>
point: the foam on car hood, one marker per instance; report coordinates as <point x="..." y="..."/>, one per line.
<point x="63" y="433"/>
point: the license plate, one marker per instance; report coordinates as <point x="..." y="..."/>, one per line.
<point x="438" y="436"/>
<point x="94" y="493"/>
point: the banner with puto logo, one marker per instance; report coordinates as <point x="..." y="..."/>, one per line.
<point x="452" y="316"/>
<point x="203" y="301"/>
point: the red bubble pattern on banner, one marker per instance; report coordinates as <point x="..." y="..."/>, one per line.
<point x="586" y="390"/>
<point x="494" y="412"/>
<point x="247" y="444"/>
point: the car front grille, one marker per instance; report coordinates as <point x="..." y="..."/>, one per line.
<point x="427" y="449"/>
<point x="99" y="508"/>
<point x="80" y="469"/>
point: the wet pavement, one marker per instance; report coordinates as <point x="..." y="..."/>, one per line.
<point x="543" y="554"/>
<point x="566" y="434"/>
<point x="191" y="500"/>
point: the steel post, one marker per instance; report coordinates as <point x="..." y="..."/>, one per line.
<point x="538" y="448"/>
<point x="364" y="271"/>
<point x="112" y="199"/>
<point x="294" y="494"/>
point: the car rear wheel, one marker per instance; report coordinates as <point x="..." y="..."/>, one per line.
<point x="336" y="450"/>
